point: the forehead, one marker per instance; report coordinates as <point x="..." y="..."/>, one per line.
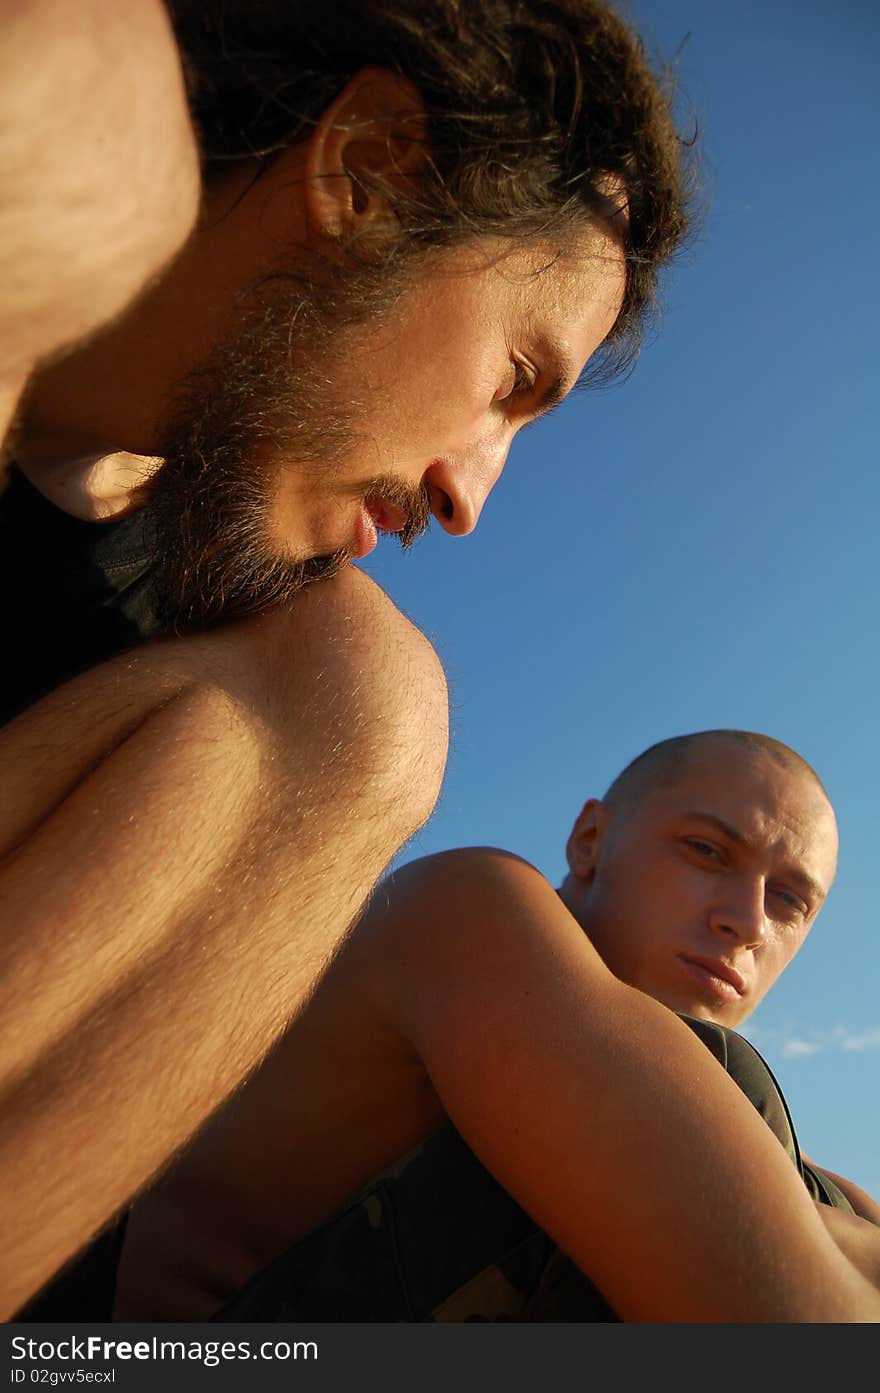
<point x="569" y="291"/>
<point x="583" y="274"/>
<point x="776" y="810"/>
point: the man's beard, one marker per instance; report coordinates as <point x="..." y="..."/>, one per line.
<point x="265" y="395"/>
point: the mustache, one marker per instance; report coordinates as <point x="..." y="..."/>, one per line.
<point x="413" y="501"/>
<point x="214" y="564"/>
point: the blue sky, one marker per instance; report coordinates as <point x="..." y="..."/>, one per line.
<point x="697" y="547"/>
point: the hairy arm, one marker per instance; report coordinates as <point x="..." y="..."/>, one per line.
<point x="598" y="1110"/>
<point x="98" y="166"/>
<point x="189" y="832"/>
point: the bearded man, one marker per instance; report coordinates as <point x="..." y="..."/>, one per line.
<point x="416" y="226"/>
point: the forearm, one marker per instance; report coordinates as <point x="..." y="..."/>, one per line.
<point x="100" y="181"/>
<point x="169" y="913"/>
<point x="694" y="1212"/>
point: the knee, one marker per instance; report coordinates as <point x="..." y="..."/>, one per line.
<point x="412" y="701"/>
<point x="400" y="700"/>
<point x="360" y="686"/>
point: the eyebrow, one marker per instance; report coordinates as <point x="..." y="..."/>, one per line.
<point x="797" y="876"/>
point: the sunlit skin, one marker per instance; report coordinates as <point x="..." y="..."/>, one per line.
<point x="702" y="893"/>
<point x="468" y="992"/>
<point x="486" y="338"/>
<point x="484" y="345"/>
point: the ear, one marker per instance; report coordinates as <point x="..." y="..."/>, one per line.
<point x="371" y="136"/>
<point x="585" y="841"/>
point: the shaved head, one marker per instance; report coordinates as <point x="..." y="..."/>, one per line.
<point x="699" y="874"/>
<point x="666" y="763"/>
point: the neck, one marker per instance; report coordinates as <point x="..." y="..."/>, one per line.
<point x="572" y="893"/>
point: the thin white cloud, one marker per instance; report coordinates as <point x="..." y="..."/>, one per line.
<point x="794" y="1047"/>
<point x="865" y="1040"/>
<point x="839" y="1040"/>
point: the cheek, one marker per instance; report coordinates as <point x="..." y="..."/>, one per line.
<point x="441" y="387"/>
<point x="774" y="960"/>
<point x="661" y="889"/>
<point x="452" y="355"/>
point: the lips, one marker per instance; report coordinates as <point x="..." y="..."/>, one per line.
<point x="716" y="974"/>
<point x="376" y="515"/>
<point x="386" y="516"/>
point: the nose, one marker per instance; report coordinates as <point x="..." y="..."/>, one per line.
<point x="458" y="488"/>
<point x="741" y="915"/>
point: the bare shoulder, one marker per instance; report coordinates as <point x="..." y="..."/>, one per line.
<point x="468" y="864"/>
<point x="455" y="887"/>
<point x="452" y="919"/>
<point x="437" y="904"/>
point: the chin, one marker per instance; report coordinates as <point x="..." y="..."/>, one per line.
<point x="720" y="1015"/>
<point x="701" y="1011"/>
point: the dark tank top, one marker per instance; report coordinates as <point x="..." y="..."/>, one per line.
<point x="72" y="593"/>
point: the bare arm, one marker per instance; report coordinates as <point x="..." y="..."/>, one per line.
<point x="98" y="166"/>
<point x="855" y="1236"/>
<point x="598" y="1110"/>
<point x="189" y="832"/>
<point x="863" y="1204"/>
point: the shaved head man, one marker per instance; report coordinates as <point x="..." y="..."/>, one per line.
<point x="586" y="1114"/>
<point x="699" y="874"/>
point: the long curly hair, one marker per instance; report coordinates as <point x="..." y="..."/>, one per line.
<point x="535" y="108"/>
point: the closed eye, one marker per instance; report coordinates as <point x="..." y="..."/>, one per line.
<point x="704" y="849"/>
<point x="521" y="383"/>
<point x="791" y="899"/>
